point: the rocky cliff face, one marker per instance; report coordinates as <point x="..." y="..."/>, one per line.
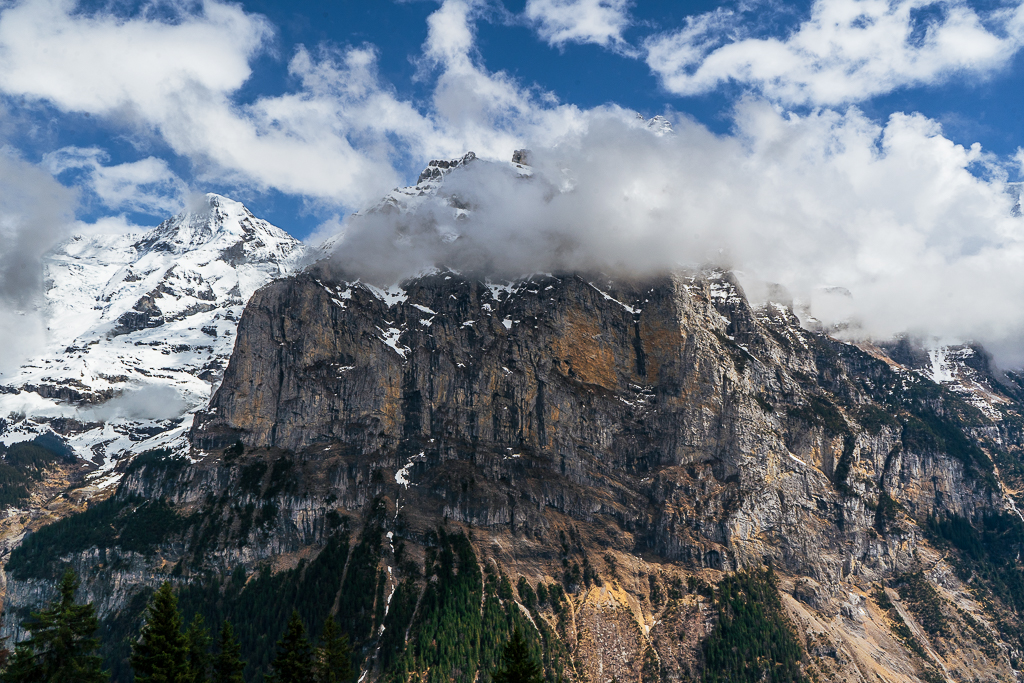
<point x="424" y="460"/>
<point x="709" y="432"/>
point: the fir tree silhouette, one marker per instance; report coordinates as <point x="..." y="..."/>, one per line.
<point x="228" y="664"/>
<point x="61" y="648"/>
<point x="518" y="665"/>
<point x="161" y="655"/>
<point x="197" y="640"/>
<point x="294" y="660"/>
<point x="334" y="656"/>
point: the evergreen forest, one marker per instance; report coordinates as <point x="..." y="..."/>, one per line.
<point x="454" y="619"/>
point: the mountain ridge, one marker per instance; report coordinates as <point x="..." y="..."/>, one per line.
<point x="422" y="459"/>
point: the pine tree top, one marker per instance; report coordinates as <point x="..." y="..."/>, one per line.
<point x="518" y="664"/>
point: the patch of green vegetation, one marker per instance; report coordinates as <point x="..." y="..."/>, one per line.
<point x="159" y="460"/>
<point x="988" y="561"/>
<point x="936" y="421"/>
<point x="281" y="477"/>
<point x="22" y="466"/>
<point x="450" y="637"/>
<point x="130" y="523"/>
<point x="927" y="432"/>
<point x="251" y="479"/>
<point x="873" y="419"/>
<point x="885" y="512"/>
<point x="245" y="516"/>
<point x="898" y="625"/>
<point x="753" y="640"/>
<point x="739" y="355"/>
<point x="842" y="471"/>
<point x="526" y="594"/>
<point x="359" y="592"/>
<point x="823" y="413"/>
<point x="925" y="602"/>
<point x="259" y="605"/>
<point x="448" y="626"/>
<point x="400" y="613"/>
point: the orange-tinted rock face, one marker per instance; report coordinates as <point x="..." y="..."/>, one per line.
<point x="710" y="431"/>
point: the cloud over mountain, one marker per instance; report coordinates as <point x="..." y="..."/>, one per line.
<point x="911" y="224"/>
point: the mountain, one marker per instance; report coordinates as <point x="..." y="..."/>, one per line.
<point x="653" y="478"/>
<point x="140" y="327"/>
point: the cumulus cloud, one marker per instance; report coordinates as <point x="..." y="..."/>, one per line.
<point x="897" y="214"/>
<point x="147" y="185"/>
<point x="100" y="63"/>
<point x="847" y="51"/>
<point x="580" y="21"/>
<point x="329" y="140"/>
<point x="339" y="137"/>
<point x="917" y="228"/>
<point x="35" y="212"/>
<point x="476" y="109"/>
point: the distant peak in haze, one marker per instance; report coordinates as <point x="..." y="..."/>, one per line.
<point x="438" y="168"/>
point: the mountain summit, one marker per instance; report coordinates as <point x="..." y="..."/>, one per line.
<point x="140" y="327"/>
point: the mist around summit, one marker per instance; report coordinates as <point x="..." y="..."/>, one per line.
<point x="878" y="229"/>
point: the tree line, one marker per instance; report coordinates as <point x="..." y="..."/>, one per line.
<point x="62" y="648"/>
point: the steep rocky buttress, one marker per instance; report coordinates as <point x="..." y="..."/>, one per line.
<point x="442" y="460"/>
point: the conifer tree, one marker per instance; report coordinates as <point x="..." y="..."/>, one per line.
<point x="518" y="665"/>
<point x="294" y="660"/>
<point x="228" y="664"/>
<point x="61" y="647"/>
<point x="197" y="640"/>
<point x="22" y="667"/>
<point x="334" y="656"/>
<point x="161" y="655"/>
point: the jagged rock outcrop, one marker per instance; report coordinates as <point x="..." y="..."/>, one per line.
<point x="698" y="424"/>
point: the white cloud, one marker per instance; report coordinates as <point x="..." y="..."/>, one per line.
<point x="916" y="227"/>
<point x="147" y="185"/>
<point x="35" y="212"/>
<point x="100" y="63"/>
<point x="894" y="213"/>
<point x="847" y="51"/>
<point x="178" y="77"/>
<point x="337" y="138"/>
<point x="153" y="402"/>
<point x="580" y="21"/>
<point x="475" y="109"/>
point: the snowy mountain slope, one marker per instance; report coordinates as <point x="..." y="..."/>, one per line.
<point x="140" y="328"/>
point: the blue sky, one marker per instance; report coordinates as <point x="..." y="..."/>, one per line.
<point x="867" y="146"/>
<point x="960" y="65"/>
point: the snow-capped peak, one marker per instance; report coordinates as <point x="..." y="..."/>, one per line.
<point x="216" y="223"/>
<point x="141" y="326"/>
